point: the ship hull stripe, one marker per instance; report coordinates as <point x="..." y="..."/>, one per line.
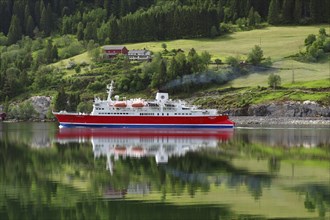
<point x="147" y="125"/>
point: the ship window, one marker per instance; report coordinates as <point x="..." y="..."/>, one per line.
<point x="167" y="113"/>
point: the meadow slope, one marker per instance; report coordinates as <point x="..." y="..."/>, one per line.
<point x="279" y="43"/>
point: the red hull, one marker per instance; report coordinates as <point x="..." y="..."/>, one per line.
<point x="144" y="121"/>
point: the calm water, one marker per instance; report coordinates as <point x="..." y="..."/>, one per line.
<point x="246" y="173"/>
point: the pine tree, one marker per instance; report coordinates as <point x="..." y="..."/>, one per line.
<point x="15" y="30"/>
<point x="60" y="100"/>
<point x="251" y="18"/>
<point x="106" y="6"/>
<point x="90" y="31"/>
<point x="55" y="53"/>
<point x="48" y="52"/>
<point x="273" y="13"/>
<point x="37" y="12"/>
<point x="45" y="20"/>
<point x="29" y="27"/>
<point x="114" y="31"/>
<point x="80" y="31"/>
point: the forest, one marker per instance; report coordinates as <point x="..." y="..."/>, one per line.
<point x="119" y="21"/>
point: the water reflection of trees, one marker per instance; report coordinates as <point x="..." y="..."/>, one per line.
<point x="317" y="197"/>
<point x="28" y="189"/>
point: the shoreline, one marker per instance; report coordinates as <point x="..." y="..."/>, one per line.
<point x="278" y="121"/>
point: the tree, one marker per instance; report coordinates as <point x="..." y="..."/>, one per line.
<point x="310" y="39"/>
<point x="60" y="100"/>
<point x="90" y="31"/>
<point x="205" y="58"/>
<point x="255" y="56"/>
<point x="213" y="32"/>
<point x="80" y="31"/>
<point x="297" y="13"/>
<point x="29" y="27"/>
<point x="274" y="80"/>
<point x="273" y="13"/>
<point x="322" y="32"/>
<point x="164" y="46"/>
<point x="251" y="18"/>
<point x="233" y="61"/>
<point x="45" y="20"/>
<point x="218" y="62"/>
<point x="15" y="30"/>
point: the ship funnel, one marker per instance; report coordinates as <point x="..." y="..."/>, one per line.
<point x="161" y="97"/>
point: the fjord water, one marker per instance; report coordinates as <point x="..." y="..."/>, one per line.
<point x="246" y="173"/>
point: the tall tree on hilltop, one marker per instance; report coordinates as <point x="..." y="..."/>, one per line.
<point x="15" y="30"/>
<point x="18" y="10"/>
<point x="90" y="32"/>
<point x="251" y="18"/>
<point x="29" y="26"/>
<point x="114" y="31"/>
<point x="37" y="12"/>
<point x="46" y="20"/>
<point x="273" y="12"/>
<point x="107" y="6"/>
<point x="80" y="31"/>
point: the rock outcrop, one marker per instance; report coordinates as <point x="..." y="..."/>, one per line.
<point x="284" y="109"/>
<point x="41" y="105"/>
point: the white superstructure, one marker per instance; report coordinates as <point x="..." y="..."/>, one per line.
<point x="161" y="106"/>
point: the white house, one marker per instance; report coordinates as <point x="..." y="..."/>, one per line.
<point x="139" y="55"/>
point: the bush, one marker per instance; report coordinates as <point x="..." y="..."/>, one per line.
<point x="326" y="46"/>
<point x="73" y="49"/>
<point x="255" y="56"/>
<point x="226" y="28"/>
<point x="96" y="86"/>
<point x="233" y="61"/>
<point x="274" y="80"/>
<point x="23" y="111"/>
<point x="85" y="107"/>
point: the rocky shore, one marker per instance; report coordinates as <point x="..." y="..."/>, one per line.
<point x="280" y="121"/>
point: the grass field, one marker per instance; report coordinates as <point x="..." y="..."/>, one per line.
<point x="276" y="42"/>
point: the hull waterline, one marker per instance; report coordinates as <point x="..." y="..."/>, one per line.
<point x="77" y="120"/>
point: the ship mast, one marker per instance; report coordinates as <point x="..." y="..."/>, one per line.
<point x="110" y="90"/>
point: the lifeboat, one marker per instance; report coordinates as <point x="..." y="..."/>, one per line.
<point x="120" y="150"/>
<point x="120" y="104"/>
<point x="138" y="104"/>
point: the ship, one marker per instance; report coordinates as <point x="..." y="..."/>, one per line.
<point x="162" y="112"/>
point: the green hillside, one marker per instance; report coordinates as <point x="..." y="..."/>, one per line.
<point x="279" y="43"/>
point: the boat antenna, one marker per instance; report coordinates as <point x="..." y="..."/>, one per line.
<point x="110" y="90"/>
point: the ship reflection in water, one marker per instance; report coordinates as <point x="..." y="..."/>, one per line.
<point x="161" y="144"/>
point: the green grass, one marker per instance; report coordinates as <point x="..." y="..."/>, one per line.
<point x="316" y="84"/>
<point x="276" y="42"/>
